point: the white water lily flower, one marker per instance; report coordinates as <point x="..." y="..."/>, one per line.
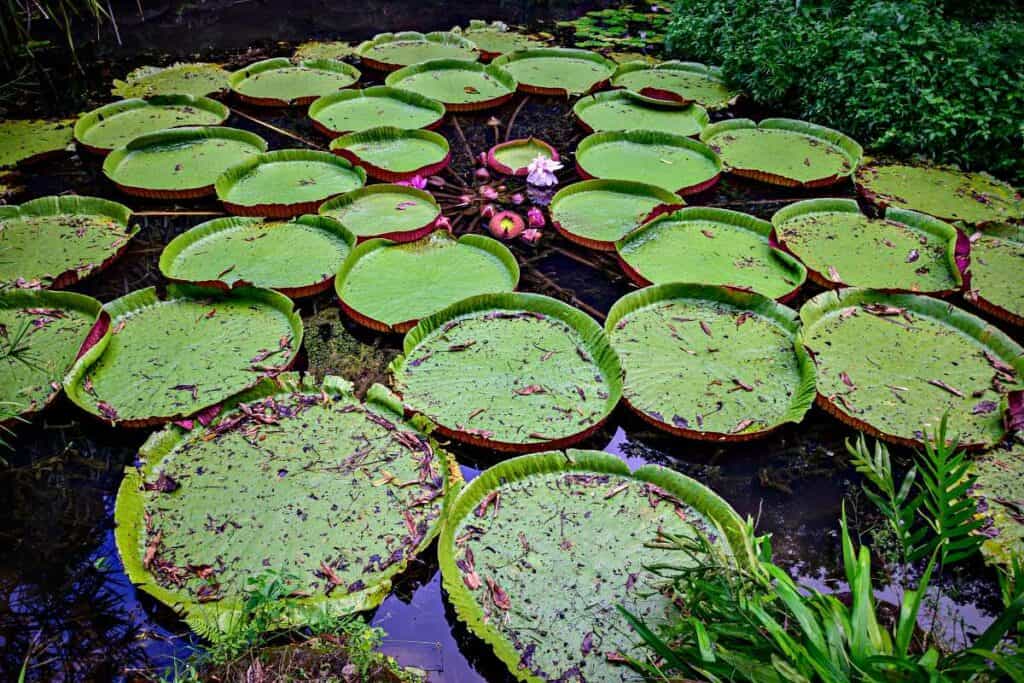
<point x="542" y="171"/>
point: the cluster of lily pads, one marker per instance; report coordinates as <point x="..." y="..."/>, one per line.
<point x="351" y="490"/>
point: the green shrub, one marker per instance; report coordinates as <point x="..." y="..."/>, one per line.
<point x="908" y="78"/>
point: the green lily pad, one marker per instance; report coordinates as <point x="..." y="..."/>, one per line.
<point x="56" y="241"/>
<point x="281" y="82"/>
<point x="673" y="162"/>
<point x="197" y="79"/>
<point x="179" y="162"/>
<point x="556" y="70"/>
<point x="940" y="191"/>
<point x="598" y="213"/>
<point x="390" y="154"/>
<point x="784" y="151"/>
<point x="26" y="141"/>
<point x="234" y="252"/>
<point x="117" y="123"/>
<point x="165" y="359"/>
<point x="996" y="286"/>
<point x="711" y="247"/>
<point x="460" y="84"/>
<point x="513" y="372"/>
<point x="623" y="110"/>
<point x="513" y="157"/>
<point x="394" y="212"/>
<point x="841" y="247"/>
<point x="539" y="550"/>
<point x="285" y="183"/>
<point x="355" y="110"/>
<point x="390" y="51"/>
<point x="337" y="495"/>
<point x="711" y="363"/>
<point x="675" y="82"/>
<point x="999" y="491"/>
<point x="495" y="38"/>
<point x="893" y="364"/>
<point x="40" y="333"/>
<point x="315" y="49"/>
<point x="389" y="285"/>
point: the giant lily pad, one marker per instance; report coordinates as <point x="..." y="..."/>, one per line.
<point x="940" y="191"/>
<point x="678" y="83"/>
<point x="999" y="490"/>
<point x="314" y="49"/>
<point x="623" y="110"/>
<point x="355" y="110"/>
<point x="513" y="372"/>
<point x="598" y="213"/>
<point x="236" y="252"/>
<point x="390" y="51"/>
<point x="841" y="247"/>
<point x="513" y="157"/>
<point x="389" y="285"/>
<point x="286" y="183"/>
<point x="180" y="162"/>
<point x="197" y="79"/>
<point x="117" y="123"/>
<point x="391" y="154"/>
<point x="280" y="82"/>
<point x="460" y="84"/>
<point x="997" y="260"/>
<point x="674" y="162"/>
<point x="557" y="70"/>
<point x="28" y="141"/>
<point x="165" y="359"/>
<point x="710" y="362"/>
<point x="56" y="241"/>
<point x="712" y="247"/>
<point x="784" y="152"/>
<point x="311" y="483"/>
<point x="40" y="333"/>
<point x="893" y="364"/>
<point x="394" y="212"/>
<point x="495" y="38"/>
<point x="539" y="550"/>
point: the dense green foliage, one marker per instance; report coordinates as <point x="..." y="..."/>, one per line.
<point x="906" y="77"/>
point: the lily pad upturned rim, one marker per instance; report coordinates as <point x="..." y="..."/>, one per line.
<point x="386" y="91"/>
<point x="757" y="304"/>
<point x="745" y="221"/>
<point x="651" y="137"/>
<point x="481" y="26"/>
<point x="227" y="179"/>
<point x="45" y="298"/>
<point x="711" y="72"/>
<point x="128" y="507"/>
<point x="504" y="78"/>
<point x="443" y="37"/>
<point x="850" y="147"/>
<point x="591" y="334"/>
<point x="90" y="119"/>
<point x="691" y="492"/>
<point x="338" y="146"/>
<point x="385" y="188"/>
<point x="204" y="230"/>
<point x="482" y="242"/>
<point x="75" y="204"/>
<point x="495" y="163"/>
<point x="669" y="202"/>
<point x="957" y="245"/>
<point x="333" y="65"/>
<point x="558" y="52"/>
<point x="579" y="109"/>
<point x="128" y="304"/>
<point x="977" y="297"/>
<point x="123" y="88"/>
<point x="816" y="308"/>
<point x="182" y="134"/>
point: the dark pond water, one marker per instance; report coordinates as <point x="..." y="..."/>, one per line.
<point x="65" y="604"/>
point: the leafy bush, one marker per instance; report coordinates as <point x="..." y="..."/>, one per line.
<point x="902" y="77"/>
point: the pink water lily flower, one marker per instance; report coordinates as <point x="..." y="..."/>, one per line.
<point x="488" y="192"/>
<point x="535" y="217"/>
<point x="442" y="223"/>
<point x="531" y="236"/>
<point x="506" y="225"/>
<point x="541" y="171"/>
<point x="517" y="198"/>
<point x="419" y="182"/>
<point x="488" y="210"/>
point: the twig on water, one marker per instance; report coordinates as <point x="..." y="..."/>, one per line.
<point x="512" y="119"/>
<point x="279" y="131"/>
<point x="462" y="136"/>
